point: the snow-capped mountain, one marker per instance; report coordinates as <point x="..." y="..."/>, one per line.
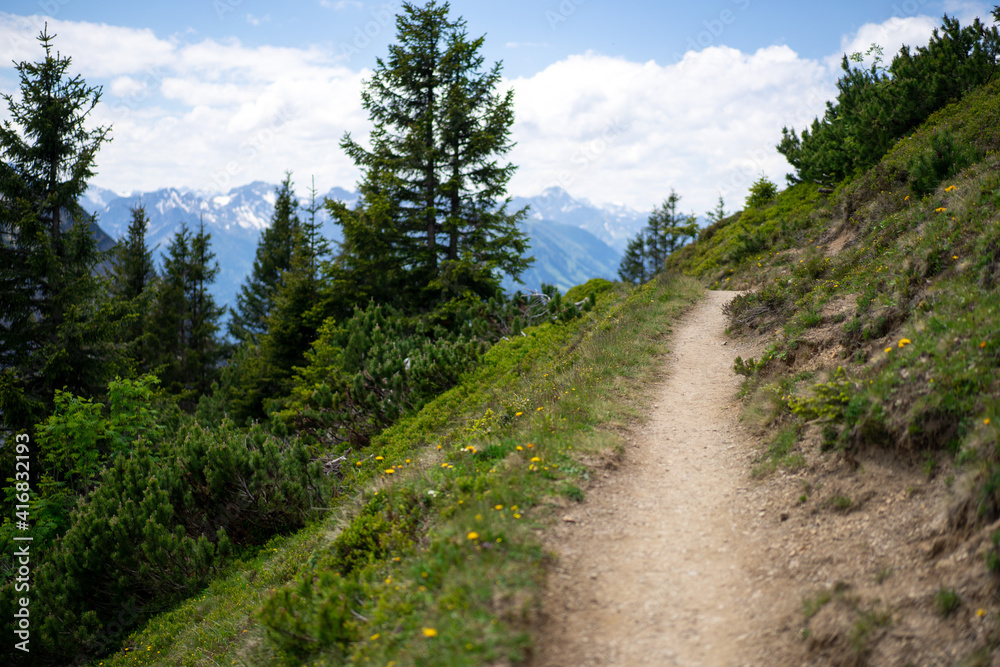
<point x="613" y="224"/>
<point x="571" y="240"/>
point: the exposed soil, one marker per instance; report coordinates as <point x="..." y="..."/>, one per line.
<point x="680" y="556"/>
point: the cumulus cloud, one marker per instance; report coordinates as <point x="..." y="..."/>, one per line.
<point x="214" y="114"/>
<point x="619" y="131"/>
<point x="890" y="35"/>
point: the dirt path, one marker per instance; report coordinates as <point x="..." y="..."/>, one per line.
<point x="655" y="568"/>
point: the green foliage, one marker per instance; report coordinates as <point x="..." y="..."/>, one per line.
<point x="363" y="375"/>
<point x="589" y="290"/>
<point x="255" y="301"/>
<point x="947" y="601"/>
<point x="762" y="191"/>
<point x="185" y="318"/>
<point x="748" y="368"/>
<point x="433" y="211"/>
<point x="944" y="159"/>
<point x="876" y="107"/>
<point x="666" y="232"/>
<point x="314" y="613"/>
<point x="167" y="517"/>
<point x="57" y="327"/>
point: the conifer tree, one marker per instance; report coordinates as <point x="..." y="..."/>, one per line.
<point x="718" y="214"/>
<point x="55" y="325"/>
<point x="434" y="167"/>
<point x="633" y="265"/>
<point x="186" y="317"/>
<point x="666" y="231"/>
<point x="132" y="273"/>
<point x="248" y="321"/>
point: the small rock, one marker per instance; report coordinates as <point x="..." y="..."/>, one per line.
<point x="569" y="519"/>
<point x="783" y="516"/>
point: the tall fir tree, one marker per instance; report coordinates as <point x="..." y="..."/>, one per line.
<point x="185" y="320"/>
<point x="666" y="231"/>
<point x="718" y="214"/>
<point x="632" y="268"/>
<point x="132" y="274"/>
<point x="248" y="321"/>
<point x="434" y="169"/>
<point x="55" y="323"/>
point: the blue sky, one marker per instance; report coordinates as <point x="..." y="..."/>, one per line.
<point x="616" y="101"/>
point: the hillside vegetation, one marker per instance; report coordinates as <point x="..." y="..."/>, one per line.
<point x="429" y="553"/>
<point x="364" y="475"/>
<point x="878" y="305"/>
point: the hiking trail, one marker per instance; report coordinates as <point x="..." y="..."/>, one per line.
<point x="656" y="567"/>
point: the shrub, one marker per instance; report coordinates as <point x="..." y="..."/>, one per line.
<point x="945" y="158"/>
<point x="761" y="192"/>
<point x="167" y="518"/>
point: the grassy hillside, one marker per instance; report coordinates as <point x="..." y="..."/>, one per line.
<point x="879" y="307"/>
<point x="902" y="288"/>
<point x="432" y="558"/>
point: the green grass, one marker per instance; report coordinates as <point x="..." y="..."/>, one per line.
<point x="917" y="297"/>
<point x="947" y="601"/>
<point x="438" y="562"/>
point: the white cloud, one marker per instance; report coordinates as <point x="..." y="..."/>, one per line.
<point x="339" y="5"/>
<point x="215" y="114"/>
<point x="891" y="35"/>
<point x="614" y="130"/>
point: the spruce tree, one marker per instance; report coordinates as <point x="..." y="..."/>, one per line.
<point x="441" y="131"/>
<point x="185" y="320"/>
<point x="665" y="232"/>
<point x="633" y="265"/>
<point x="248" y="321"/>
<point x="718" y="214"/>
<point x="668" y="230"/>
<point x="55" y="324"/>
<point x="132" y="273"/>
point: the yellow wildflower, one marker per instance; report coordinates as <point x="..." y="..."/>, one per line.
<point x="430" y="632"/>
<point x="903" y="342"/>
<point x="473" y="535"/>
<point x="389" y="471"/>
<point x="374" y="636"/>
<point x="888" y="349"/>
<point x="941" y="209"/>
<point x="950" y="188"/>
<point x="535" y="459"/>
<point x="518" y="414"/>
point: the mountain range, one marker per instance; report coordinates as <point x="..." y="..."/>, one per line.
<point x="572" y="240"/>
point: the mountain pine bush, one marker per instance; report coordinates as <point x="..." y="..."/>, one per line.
<point x="167" y="517"/>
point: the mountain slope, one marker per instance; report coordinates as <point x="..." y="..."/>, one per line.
<point x="612" y="224"/>
<point x="878" y="393"/>
<point x="565" y="256"/>
<point x="566" y="253"/>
